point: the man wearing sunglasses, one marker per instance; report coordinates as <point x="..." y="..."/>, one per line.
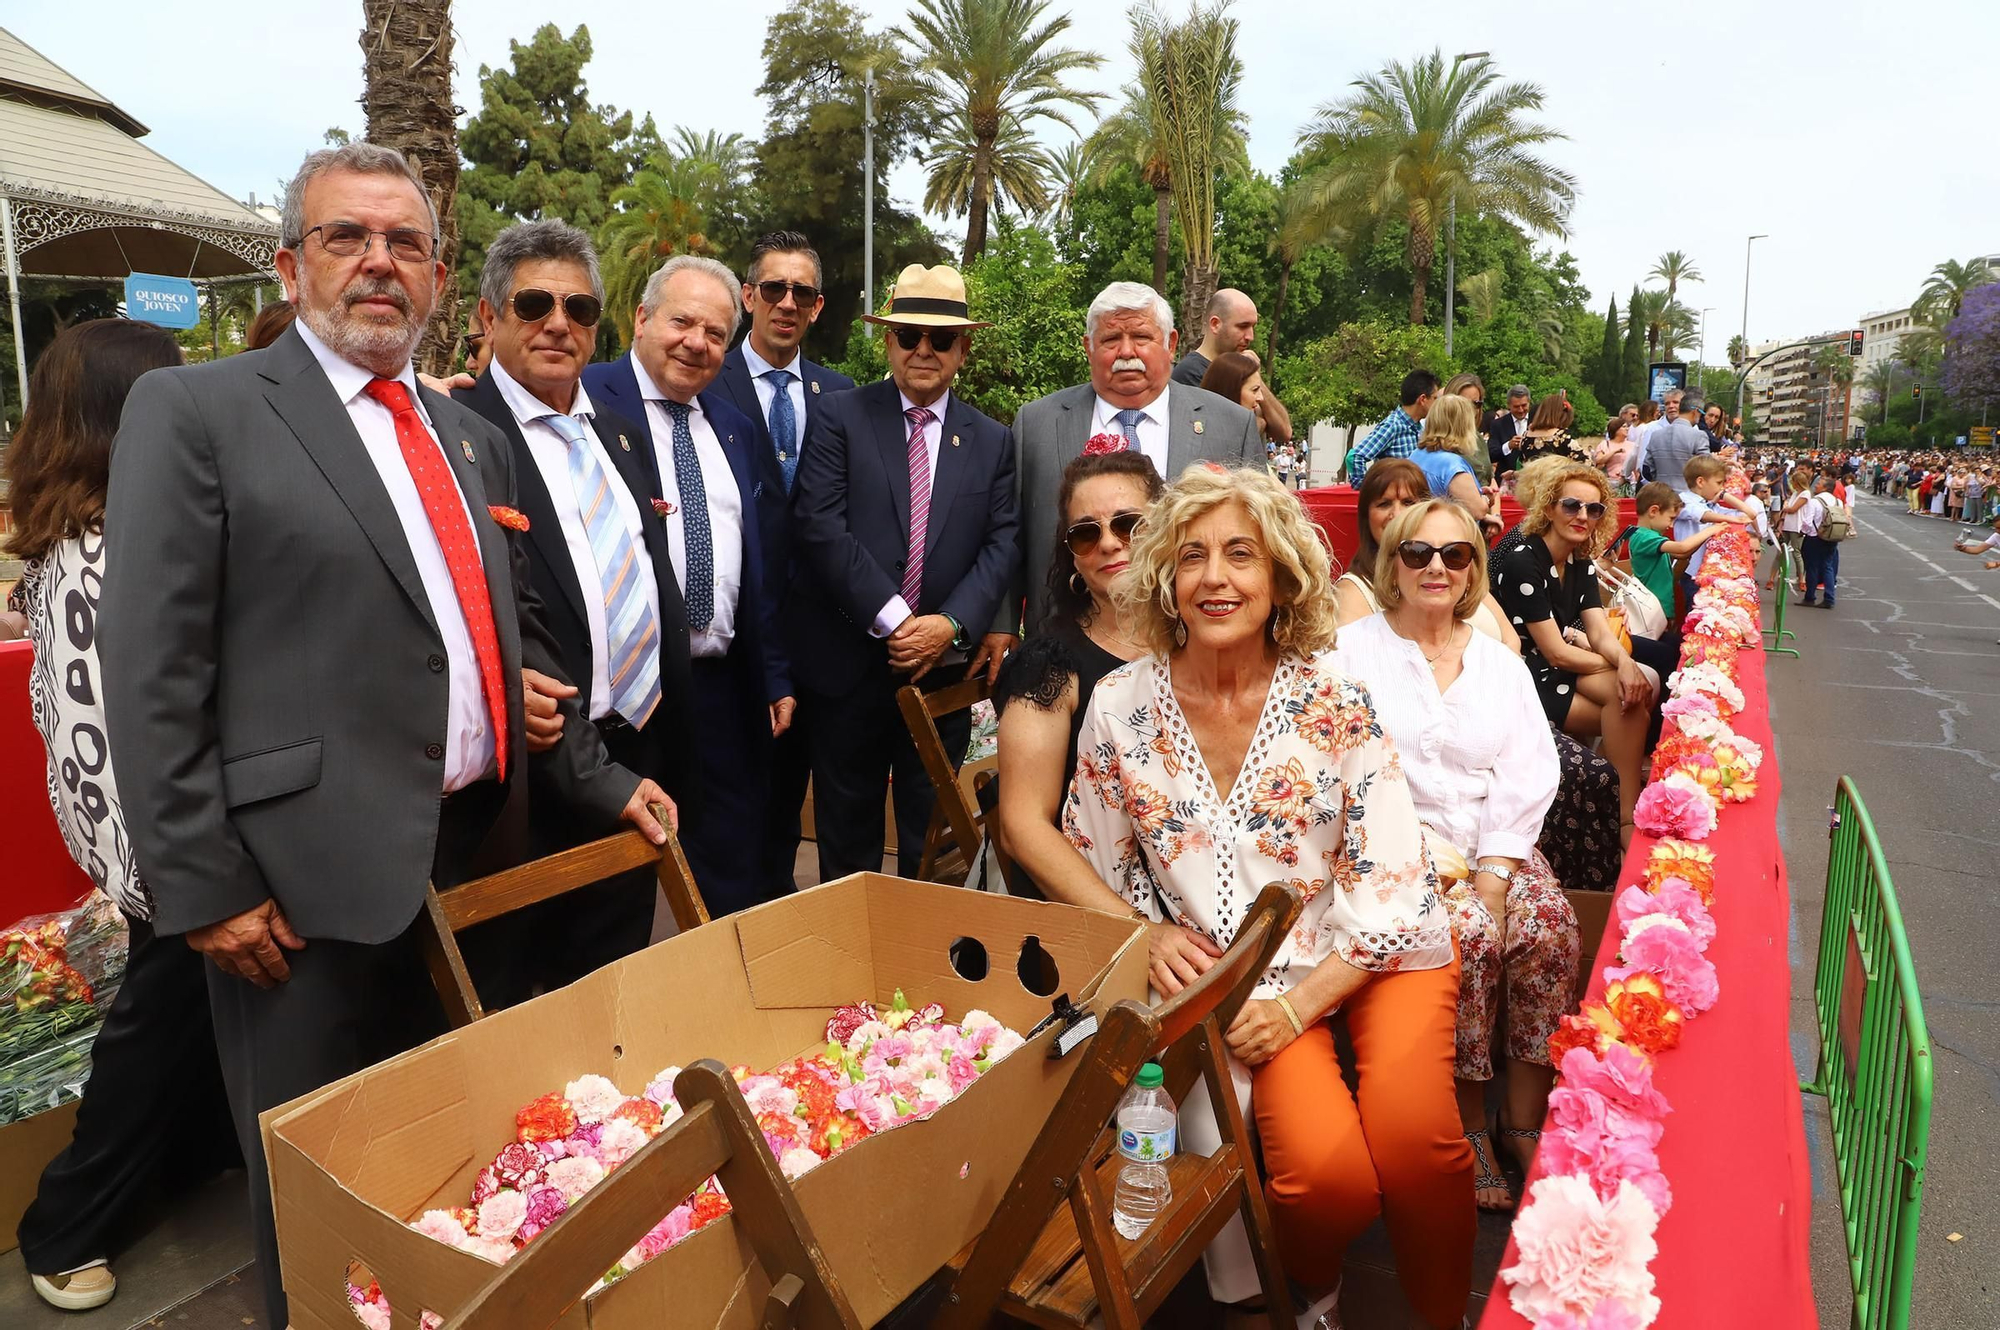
<point x="906" y="537"/>
<point x="718" y="491"/>
<point x="599" y="560"/>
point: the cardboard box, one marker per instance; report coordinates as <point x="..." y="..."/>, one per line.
<point x="351" y="1164"/>
<point x="26" y="1147"/>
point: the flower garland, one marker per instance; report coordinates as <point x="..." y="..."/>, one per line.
<point x="880" y="1069"/>
<point x="1585" y="1235"/>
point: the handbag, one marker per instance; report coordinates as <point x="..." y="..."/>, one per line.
<point x="1643" y="614"/>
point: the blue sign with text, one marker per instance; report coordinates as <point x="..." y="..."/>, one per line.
<point x="171" y="302"/>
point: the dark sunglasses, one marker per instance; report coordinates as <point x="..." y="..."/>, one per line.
<point x="941" y="338"/>
<point x="1416" y="554"/>
<point x="534" y="304"/>
<point x="1571" y="507"/>
<point x="773" y="292"/>
<point x="1085" y="535"/>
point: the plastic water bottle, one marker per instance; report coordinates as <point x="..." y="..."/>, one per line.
<point x="1147" y="1129"/>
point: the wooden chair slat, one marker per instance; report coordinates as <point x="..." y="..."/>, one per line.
<point x="955" y="822"/>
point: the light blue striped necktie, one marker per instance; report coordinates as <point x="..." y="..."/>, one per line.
<point x="631" y="629"/>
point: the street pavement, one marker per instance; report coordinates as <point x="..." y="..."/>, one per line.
<point x="1899" y="689"/>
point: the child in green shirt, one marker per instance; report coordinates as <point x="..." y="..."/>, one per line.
<point x="1652" y="551"/>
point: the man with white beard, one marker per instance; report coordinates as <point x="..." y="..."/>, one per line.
<point x="1128" y="404"/>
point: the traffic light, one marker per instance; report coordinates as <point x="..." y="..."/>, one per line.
<point x="1854" y="343"/>
<point x="1916" y="391"/>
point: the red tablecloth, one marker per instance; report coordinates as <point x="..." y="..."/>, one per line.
<point x="1334" y="508"/>
<point x="1734" y="1249"/>
<point x="40" y="877"/>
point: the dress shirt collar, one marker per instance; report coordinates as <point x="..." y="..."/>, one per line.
<point x="527" y="407"/>
<point x="650" y="391"/>
<point x="1154" y="411"/>
<point x="936" y="408"/>
<point x="349" y="379"/>
<point x="759" y="367"/>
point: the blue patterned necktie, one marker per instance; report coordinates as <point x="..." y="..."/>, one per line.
<point x="699" y="575"/>
<point x="1128" y="422"/>
<point x="631" y="629"/>
<point x="784" y="424"/>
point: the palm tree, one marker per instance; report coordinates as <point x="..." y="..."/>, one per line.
<point x="1017" y="170"/>
<point x="1938" y="303"/>
<point x="1481" y="291"/>
<point x="988" y="67"/>
<point x="1191" y="74"/>
<point x="406" y="95"/>
<point x="1678" y="325"/>
<point x="1134" y="134"/>
<point x="1068" y="169"/>
<point x="1674" y="268"/>
<point x="1739" y="350"/>
<point x="1413" y="138"/>
<point x="659" y="214"/>
<point x="1879" y="383"/>
<point x="729" y="155"/>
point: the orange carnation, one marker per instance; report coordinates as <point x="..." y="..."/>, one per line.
<point x="549" y="1118"/>
<point x="1594" y="1028"/>
<point x="1651" y="1022"/>
<point x="1693" y="864"/>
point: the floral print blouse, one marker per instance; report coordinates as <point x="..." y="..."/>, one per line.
<point x="1320" y="804"/>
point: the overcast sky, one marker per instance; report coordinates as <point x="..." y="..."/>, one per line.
<point x="1840" y="129"/>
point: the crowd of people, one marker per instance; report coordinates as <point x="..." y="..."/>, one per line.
<point x="489" y="623"/>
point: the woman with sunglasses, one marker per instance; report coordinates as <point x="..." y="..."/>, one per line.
<point x="1389" y="487"/>
<point x="1588" y="683"/>
<point x="1451" y="699"/>
<point x="1044" y="683"/>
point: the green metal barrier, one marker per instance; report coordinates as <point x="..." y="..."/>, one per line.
<point x="1874" y="1066"/>
<point x="1777" y="632"/>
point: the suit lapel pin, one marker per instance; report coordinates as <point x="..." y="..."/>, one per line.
<point x="624" y="443"/>
<point x="465" y="446"/>
<point x="815" y="387"/>
<point x="1197" y="427"/>
<point x="954" y="441"/>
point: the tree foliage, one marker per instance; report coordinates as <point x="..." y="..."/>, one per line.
<point x="1972" y="361"/>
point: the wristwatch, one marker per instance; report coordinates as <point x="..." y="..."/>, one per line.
<point x="958" y="638"/>
<point x="1501" y="871"/>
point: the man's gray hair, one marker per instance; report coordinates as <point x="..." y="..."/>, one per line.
<point x="649" y="299"/>
<point x="533" y="242"/>
<point x="363" y="158"/>
<point x="1518" y="390"/>
<point x="1122" y="297"/>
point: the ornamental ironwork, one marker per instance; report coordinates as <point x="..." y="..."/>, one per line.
<point x="41" y="216"/>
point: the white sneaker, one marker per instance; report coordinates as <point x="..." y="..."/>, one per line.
<point x="77" y="1290"/>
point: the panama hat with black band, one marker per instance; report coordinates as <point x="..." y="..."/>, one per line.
<point x="928" y="298"/>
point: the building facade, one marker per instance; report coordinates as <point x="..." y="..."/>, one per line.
<point x="1797" y="404"/>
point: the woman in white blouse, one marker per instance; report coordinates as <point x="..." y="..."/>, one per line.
<point x="1234" y="756"/>
<point x="1481" y="764"/>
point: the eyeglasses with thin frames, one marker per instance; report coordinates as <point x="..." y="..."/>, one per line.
<point x="349" y="240"/>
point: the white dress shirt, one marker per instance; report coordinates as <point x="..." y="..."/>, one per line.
<point x="1481" y="764"/>
<point x="551" y="453"/>
<point x="1152" y="427"/>
<point x="795" y="388"/>
<point x="725" y="512"/>
<point x="1520" y="428"/>
<point x="892" y="615"/>
<point x="468" y="748"/>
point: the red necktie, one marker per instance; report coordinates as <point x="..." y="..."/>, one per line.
<point x="461" y="549"/>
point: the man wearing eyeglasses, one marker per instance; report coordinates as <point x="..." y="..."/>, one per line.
<point x="905" y="532"/>
<point x="313" y="637"/>
<point x="599" y="559"/>
<point x="722" y="500"/>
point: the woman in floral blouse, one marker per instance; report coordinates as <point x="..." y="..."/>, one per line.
<point x="1231" y="757"/>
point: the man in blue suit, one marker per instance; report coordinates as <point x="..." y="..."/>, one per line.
<point x="906" y="533"/>
<point x="770" y="380"/>
<point x="722" y="498"/>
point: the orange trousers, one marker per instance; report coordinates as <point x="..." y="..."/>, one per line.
<point x="1336" y="1160"/>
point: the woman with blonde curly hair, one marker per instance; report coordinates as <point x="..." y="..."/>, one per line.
<point x="1232" y="756"/>
<point x="1588" y="683"/>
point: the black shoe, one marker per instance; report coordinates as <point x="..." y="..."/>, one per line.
<point x="1826" y="604"/>
<point x="1808" y="602"/>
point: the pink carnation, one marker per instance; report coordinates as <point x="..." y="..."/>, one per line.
<point x="1675" y="956"/>
<point x="575" y="1176"/>
<point x="1577" y="1251"/>
<point x="545" y="1206"/>
<point x="500" y="1215"/>
<point x="1605" y="1158"/>
<point x="1689" y="704"/>
<point x="1669" y="809"/>
<point x="593" y="1098"/>
<point x="374" y="1315"/>
<point x="619" y="1142"/>
<point x="1677" y="898"/>
<point x="1625" y="1079"/>
<point x="677" y="1225"/>
<point x="661" y="1088"/>
<point x="1608" y="1315"/>
<point x="797" y="1161"/>
<point x="441" y="1226"/>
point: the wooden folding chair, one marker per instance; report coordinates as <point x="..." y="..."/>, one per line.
<point x="1062" y="1268"/>
<point x="717" y="1135"/>
<point x="951" y="844"/>
<point x="452" y="911"/>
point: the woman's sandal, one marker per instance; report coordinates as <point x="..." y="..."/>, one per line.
<point x="1486" y="1172"/>
<point x="1534" y="1138"/>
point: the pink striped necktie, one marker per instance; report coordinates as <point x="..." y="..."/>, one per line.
<point x="920" y="505"/>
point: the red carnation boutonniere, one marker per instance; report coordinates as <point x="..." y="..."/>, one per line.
<point x="662" y="508"/>
<point x="1101" y="444"/>
<point x="511" y="518"/>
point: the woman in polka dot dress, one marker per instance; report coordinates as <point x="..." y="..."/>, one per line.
<point x="1587" y="682"/>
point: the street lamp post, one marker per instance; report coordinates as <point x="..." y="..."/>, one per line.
<point x="1451" y="233"/>
<point x="1701" y="353"/>
<point x="1746" y="310"/>
<point x="868" y="190"/>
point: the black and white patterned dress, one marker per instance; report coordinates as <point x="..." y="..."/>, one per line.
<point x="58" y="593"/>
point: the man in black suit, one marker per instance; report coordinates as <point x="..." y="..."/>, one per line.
<point x="769" y="380"/>
<point x="1507" y="426"/>
<point x="723" y="501"/>
<point x="312" y="643"/>
<point x="599" y="560"/>
<point x="907" y="533"/>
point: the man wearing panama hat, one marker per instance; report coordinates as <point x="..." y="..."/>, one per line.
<point x="906" y="536"/>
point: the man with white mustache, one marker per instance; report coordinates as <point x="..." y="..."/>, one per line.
<point x="1130" y="339"/>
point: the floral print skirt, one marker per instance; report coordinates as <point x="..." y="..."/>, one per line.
<point x="1535" y="970"/>
<point x="1580" y="832"/>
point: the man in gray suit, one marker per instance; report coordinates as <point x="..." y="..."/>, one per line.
<point x="313" y="638"/>
<point x="1130" y="338"/>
